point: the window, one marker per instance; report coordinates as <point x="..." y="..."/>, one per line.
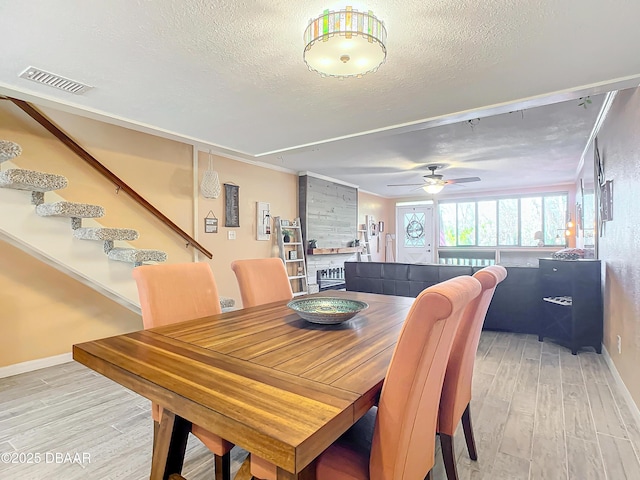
<point x="507" y="222"/>
<point x="487" y="223"/>
<point x="555" y="214"/>
<point x="589" y="219"/>
<point x="530" y="221"/>
<point x="467" y="223"/>
<point x="448" y="222"/>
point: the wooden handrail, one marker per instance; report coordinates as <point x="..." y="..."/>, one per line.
<point x="91" y="160"/>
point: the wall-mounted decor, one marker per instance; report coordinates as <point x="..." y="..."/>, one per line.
<point x="371" y="225"/>
<point x="263" y="221"/>
<point x="604" y="191"/>
<point x="210" y="223"/>
<point x="210" y="185"/>
<point x="606" y="201"/>
<point x="231" y="205"/>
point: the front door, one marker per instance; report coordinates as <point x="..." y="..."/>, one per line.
<point x="414" y="233"/>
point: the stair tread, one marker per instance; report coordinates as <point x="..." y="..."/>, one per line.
<point x="9" y="150"/>
<point x="135" y="255"/>
<point x="104" y="233"/>
<point x="69" y="209"/>
<point x="20" y="179"/>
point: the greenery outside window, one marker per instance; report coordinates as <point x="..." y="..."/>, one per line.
<point x="466" y="233"/>
<point x="527" y="221"/>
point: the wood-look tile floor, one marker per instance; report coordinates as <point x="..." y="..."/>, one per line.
<point x="538" y="413"/>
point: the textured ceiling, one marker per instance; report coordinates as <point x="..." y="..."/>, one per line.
<point x="230" y="74"/>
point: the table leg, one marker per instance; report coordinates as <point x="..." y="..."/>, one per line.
<point x="244" y="473"/>
<point x="309" y="473"/>
<point x="170" y="445"/>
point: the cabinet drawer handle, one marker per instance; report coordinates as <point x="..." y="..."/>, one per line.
<point x="554" y="269"/>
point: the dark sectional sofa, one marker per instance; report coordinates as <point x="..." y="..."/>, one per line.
<point x="516" y="304"/>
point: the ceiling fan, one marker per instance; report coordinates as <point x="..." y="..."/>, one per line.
<point x="434" y="183"/>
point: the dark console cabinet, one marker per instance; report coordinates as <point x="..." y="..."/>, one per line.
<point x="571" y="303"/>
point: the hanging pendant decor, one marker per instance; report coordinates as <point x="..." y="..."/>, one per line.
<point x="210" y="185"/>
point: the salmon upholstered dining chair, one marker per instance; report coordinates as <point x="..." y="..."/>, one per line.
<point x="174" y="293"/>
<point x="456" y="391"/>
<point x="262" y="280"/>
<point x="402" y="444"/>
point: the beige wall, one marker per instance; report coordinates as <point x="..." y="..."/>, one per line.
<point x="619" y="244"/>
<point x="68" y="312"/>
<point x="159" y="170"/>
<point x="43" y="312"/>
<point x="383" y="209"/>
<point x="256" y="184"/>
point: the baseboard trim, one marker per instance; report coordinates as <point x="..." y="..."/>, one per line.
<point x="31" y="365"/>
<point x="625" y="392"/>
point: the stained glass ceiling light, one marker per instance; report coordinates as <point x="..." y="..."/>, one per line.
<point x="433" y="188"/>
<point x="345" y="43"/>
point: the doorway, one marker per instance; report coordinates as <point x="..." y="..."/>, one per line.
<point x="414" y="234"/>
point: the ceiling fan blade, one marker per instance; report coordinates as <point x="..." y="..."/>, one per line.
<point x="406" y="184"/>
<point x="463" y="180"/>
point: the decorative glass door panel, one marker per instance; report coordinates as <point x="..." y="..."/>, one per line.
<point x="414" y="234"/>
<point x="414" y="229"/>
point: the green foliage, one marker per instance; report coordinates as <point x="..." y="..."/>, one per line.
<point x="466" y="236"/>
<point x="450" y="237"/>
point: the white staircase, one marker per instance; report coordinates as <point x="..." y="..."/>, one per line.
<point x="49" y="239"/>
<point x="52" y="242"/>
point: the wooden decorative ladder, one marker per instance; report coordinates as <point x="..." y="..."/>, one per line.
<point x="364" y="255"/>
<point x="292" y="254"/>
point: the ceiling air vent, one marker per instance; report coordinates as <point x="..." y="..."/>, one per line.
<point x="56" y="81"/>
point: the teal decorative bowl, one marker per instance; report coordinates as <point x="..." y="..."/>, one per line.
<point x="327" y="310"/>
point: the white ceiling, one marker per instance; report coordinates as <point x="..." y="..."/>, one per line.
<point x="230" y="74"/>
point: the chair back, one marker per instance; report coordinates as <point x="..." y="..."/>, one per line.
<point x="403" y="444"/>
<point x="171" y="293"/>
<point x="456" y="391"/>
<point x="262" y="280"/>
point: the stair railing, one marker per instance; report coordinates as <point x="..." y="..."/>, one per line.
<point x="91" y="160"/>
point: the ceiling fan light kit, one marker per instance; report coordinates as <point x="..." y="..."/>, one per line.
<point x="434" y="183"/>
<point x="345" y="43"/>
<point x="433" y="188"/>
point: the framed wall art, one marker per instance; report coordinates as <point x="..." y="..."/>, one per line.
<point x="606" y="201"/>
<point x="263" y="221"/>
<point x="231" y="205"/>
<point x="210" y="223"/>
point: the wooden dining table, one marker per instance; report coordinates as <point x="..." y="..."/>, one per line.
<point x="263" y="378"/>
